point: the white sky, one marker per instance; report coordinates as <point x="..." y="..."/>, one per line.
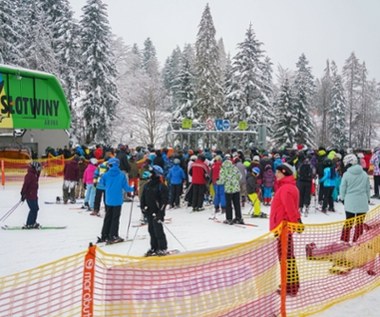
<point x="319" y="28"/>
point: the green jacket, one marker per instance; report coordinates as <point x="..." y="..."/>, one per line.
<point x="229" y="177"/>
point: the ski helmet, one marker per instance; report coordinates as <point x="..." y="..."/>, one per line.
<point x="350" y="159"/>
<point x="157" y="170"/>
<point x="256" y="170"/>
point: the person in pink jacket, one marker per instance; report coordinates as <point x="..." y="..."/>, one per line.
<point x="88" y="181"/>
<point x="285" y="207"/>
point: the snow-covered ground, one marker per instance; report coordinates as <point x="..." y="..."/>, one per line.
<point x="21" y="250"/>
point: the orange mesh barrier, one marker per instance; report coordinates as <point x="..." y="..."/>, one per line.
<point x="311" y="264"/>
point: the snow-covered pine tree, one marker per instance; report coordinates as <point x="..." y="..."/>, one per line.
<point x="351" y="79"/>
<point x="209" y="90"/>
<point x="10" y="33"/>
<point x="149" y="59"/>
<point x="324" y="104"/>
<point x="37" y="38"/>
<point x="248" y="68"/>
<point x="170" y="73"/>
<point x="336" y="123"/>
<point x="303" y="91"/>
<point x="99" y="91"/>
<point x="285" y="120"/>
<point x="65" y="34"/>
<point x="185" y="87"/>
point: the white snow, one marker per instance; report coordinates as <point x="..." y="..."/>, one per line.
<point x="21" y="250"/>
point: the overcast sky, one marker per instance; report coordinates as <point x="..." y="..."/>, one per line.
<point x="322" y="29"/>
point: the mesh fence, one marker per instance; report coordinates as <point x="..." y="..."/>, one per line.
<point x="296" y="271"/>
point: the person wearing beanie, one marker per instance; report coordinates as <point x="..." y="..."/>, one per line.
<point x="70" y="179"/>
<point x="355" y="194"/>
<point x="200" y="174"/>
<point x="329" y="180"/>
<point x="285" y="208"/>
<point x="114" y="182"/>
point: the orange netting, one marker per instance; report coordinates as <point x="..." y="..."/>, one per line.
<point x="296" y="271"/>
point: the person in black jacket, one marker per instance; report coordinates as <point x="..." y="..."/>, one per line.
<point x="29" y="193"/>
<point x="154" y="199"/>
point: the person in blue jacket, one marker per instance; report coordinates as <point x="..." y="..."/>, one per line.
<point x="176" y="177"/>
<point x="329" y="181"/>
<point x="114" y="182"/>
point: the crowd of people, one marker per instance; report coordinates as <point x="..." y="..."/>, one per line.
<point x="227" y="180"/>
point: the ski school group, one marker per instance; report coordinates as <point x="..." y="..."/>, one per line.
<point x="227" y="180"/>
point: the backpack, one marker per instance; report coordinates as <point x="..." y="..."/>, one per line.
<point x="305" y="172"/>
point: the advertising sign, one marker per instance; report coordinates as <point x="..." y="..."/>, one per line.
<point x="31" y="100"/>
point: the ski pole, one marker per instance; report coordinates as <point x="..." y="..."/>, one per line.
<point x="133" y="240"/>
<point x="130" y="213"/>
<point x="10" y="211"/>
<point x="166" y="227"/>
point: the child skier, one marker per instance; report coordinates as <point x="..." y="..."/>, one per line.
<point x="253" y="190"/>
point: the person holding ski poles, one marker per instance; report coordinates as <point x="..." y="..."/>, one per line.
<point x="114" y="182"/>
<point x="153" y="202"/>
<point x="29" y="193"/>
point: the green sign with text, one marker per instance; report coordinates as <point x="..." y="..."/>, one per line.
<point x="31" y="100"/>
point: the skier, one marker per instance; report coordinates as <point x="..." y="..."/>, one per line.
<point x="153" y="202"/>
<point x="176" y="177"/>
<point x="375" y="161"/>
<point x="329" y="182"/>
<point x="305" y="175"/>
<point x="268" y="183"/>
<point x="230" y="178"/>
<point x="253" y="189"/>
<point x="114" y="182"/>
<point x="88" y="181"/>
<point x="219" y="196"/>
<point x="70" y="179"/>
<point x="29" y="193"/>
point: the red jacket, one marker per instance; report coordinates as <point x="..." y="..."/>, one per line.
<point x="199" y="172"/>
<point x="215" y="171"/>
<point x="285" y="203"/>
<point x="30" y="187"/>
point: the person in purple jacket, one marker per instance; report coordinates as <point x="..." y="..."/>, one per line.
<point x="29" y="193"/>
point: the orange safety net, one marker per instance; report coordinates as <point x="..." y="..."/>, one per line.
<point x="297" y="270"/>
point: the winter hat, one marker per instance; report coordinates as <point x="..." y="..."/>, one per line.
<point x="146" y="175"/>
<point x="93" y="161"/>
<point x="256" y="170"/>
<point x="350" y="159"/>
<point x="113" y="162"/>
<point x="217" y="158"/>
<point x="176" y="161"/>
<point x="256" y="158"/>
<point x="193" y="157"/>
<point x="360" y="155"/>
<point x="285" y="169"/>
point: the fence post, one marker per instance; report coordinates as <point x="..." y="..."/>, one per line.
<point x="2" y="173"/>
<point x="284" y="265"/>
<point x="88" y="282"/>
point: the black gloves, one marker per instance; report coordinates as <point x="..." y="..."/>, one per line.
<point x="84" y="185"/>
<point x="22" y="197"/>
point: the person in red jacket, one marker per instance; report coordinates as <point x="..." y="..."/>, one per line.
<point x="29" y="193"/>
<point x="285" y="207"/>
<point x="200" y="174"/>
